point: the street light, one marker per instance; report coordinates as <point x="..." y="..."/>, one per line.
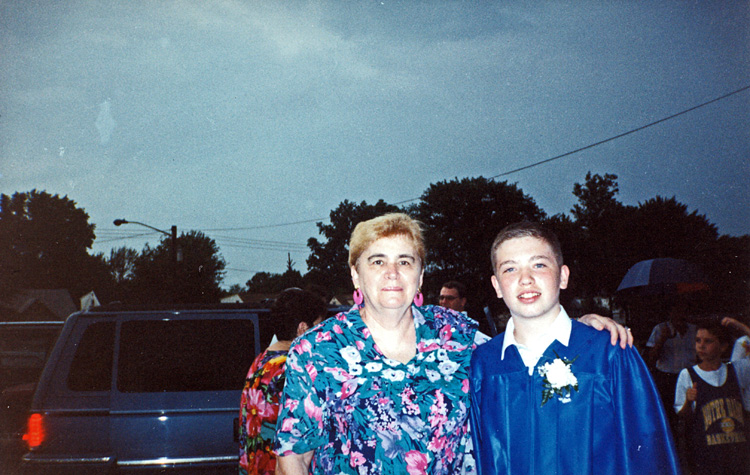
<point x="176" y="254"/>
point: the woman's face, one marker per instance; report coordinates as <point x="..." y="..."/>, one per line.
<point x="389" y="273"/>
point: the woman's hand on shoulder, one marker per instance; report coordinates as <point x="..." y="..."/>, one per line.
<point x="617" y="332"/>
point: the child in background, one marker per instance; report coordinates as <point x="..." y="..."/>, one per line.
<point x="714" y="399"/>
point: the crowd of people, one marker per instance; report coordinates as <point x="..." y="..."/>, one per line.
<point x="394" y="386"/>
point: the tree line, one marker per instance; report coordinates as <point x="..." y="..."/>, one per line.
<point x="45" y="242"/>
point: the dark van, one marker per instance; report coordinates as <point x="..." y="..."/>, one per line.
<point x="136" y="390"/>
<point x="24" y="348"/>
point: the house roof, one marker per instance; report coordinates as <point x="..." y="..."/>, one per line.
<point x="57" y="301"/>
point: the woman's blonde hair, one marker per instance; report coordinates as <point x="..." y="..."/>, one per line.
<point x="391" y="224"/>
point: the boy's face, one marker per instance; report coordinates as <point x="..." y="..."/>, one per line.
<point x="528" y="278"/>
<point x="707" y="346"/>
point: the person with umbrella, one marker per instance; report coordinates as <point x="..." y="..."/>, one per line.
<point x="671" y="344"/>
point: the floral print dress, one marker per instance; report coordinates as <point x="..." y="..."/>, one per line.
<point x="258" y="411"/>
<point x="363" y="413"/>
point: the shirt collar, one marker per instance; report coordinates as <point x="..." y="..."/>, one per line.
<point x="559" y="330"/>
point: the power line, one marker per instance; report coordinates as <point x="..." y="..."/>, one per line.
<point x="637" y="129"/>
<point x="269" y="225"/>
<point x="526" y="167"/>
<point x="261" y="244"/>
<point x="122" y="237"/>
<point x="610" y="139"/>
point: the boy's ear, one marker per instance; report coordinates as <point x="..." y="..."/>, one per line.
<point x="564" y="275"/>
<point x="496" y="285"/>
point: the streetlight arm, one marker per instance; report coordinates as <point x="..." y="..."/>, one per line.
<point x="119" y="222"/>
<point x="176" y="254"/>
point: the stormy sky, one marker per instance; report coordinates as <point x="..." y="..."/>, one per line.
<point x="249" y="120"/>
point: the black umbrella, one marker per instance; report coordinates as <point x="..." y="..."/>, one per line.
<point x="662" y="276"/>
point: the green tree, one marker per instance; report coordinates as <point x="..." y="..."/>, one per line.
<point x="196" y="278"/>
<point x="121" y="267"/>
<point x="291" y="277"/>
<point x="263" y="283"/>
<point x="664" y="228"/>
<point x="44" y="243"/>
<point x="598" y="249"/>
<point x="235" y="289"/>
<point x="462" y="218"/>
<point x="727" y="267"/>
<point x="122" y="263"/>
<point x="269" y="283"/>
<point x="328" y="260"/>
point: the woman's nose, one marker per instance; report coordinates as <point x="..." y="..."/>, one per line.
<point x="391" y="270"/>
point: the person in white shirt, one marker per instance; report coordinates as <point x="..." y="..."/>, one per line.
<point x="742" y="344"/>
<point x="713" y="398"/>
<point x="671" y="347"/>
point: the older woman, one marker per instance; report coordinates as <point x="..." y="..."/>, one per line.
<point x="382" y="388"/>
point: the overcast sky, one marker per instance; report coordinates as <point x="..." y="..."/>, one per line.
<point x="232" y="116"/>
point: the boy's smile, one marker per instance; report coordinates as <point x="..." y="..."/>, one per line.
<point x="528" y="278"/>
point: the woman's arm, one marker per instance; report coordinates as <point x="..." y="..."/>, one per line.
<point x="735" y="325"/>
<point x="294" y="464"/>
<point x="616" y="331"/>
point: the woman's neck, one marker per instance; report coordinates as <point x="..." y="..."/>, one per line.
<point x="389" y="320"/>
<point x="394" y="334"/>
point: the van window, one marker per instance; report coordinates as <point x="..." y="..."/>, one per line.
<point x="24" y="350"/>
<point x="184" y="355"/>
<point x="91" y="369"/>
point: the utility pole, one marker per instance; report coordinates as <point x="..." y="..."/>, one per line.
<point x="176" y="257"/>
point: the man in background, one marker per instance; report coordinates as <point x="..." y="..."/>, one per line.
<point x="453" y="296"/>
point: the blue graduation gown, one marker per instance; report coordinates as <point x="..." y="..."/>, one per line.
<point x="614" y="423"/>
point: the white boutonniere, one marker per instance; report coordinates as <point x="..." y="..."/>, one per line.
<point x="559" y="379"/>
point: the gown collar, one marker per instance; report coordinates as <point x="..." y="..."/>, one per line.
<point x="558" y="331"/>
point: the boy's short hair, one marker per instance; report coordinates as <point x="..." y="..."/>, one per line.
<point x="527" y="229"/>
<point x="715" y="328"/>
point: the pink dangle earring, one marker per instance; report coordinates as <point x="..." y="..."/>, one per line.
<point x="419" y="298"/>
<point x="358" y="297"/>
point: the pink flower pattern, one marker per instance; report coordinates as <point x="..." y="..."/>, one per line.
<point x="364" y="414"/>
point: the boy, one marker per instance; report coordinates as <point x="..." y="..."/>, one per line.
<point x="714" y="399"/>
<point x="551" y="395"/>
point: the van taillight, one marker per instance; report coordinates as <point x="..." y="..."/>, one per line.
<point x="34" y="435"/>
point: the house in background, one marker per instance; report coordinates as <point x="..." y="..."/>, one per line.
<point x="89" y="300"/>
<point x="37" y="305"/>
<point x="234" y="298"/>
<point x="341" y="299"/>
